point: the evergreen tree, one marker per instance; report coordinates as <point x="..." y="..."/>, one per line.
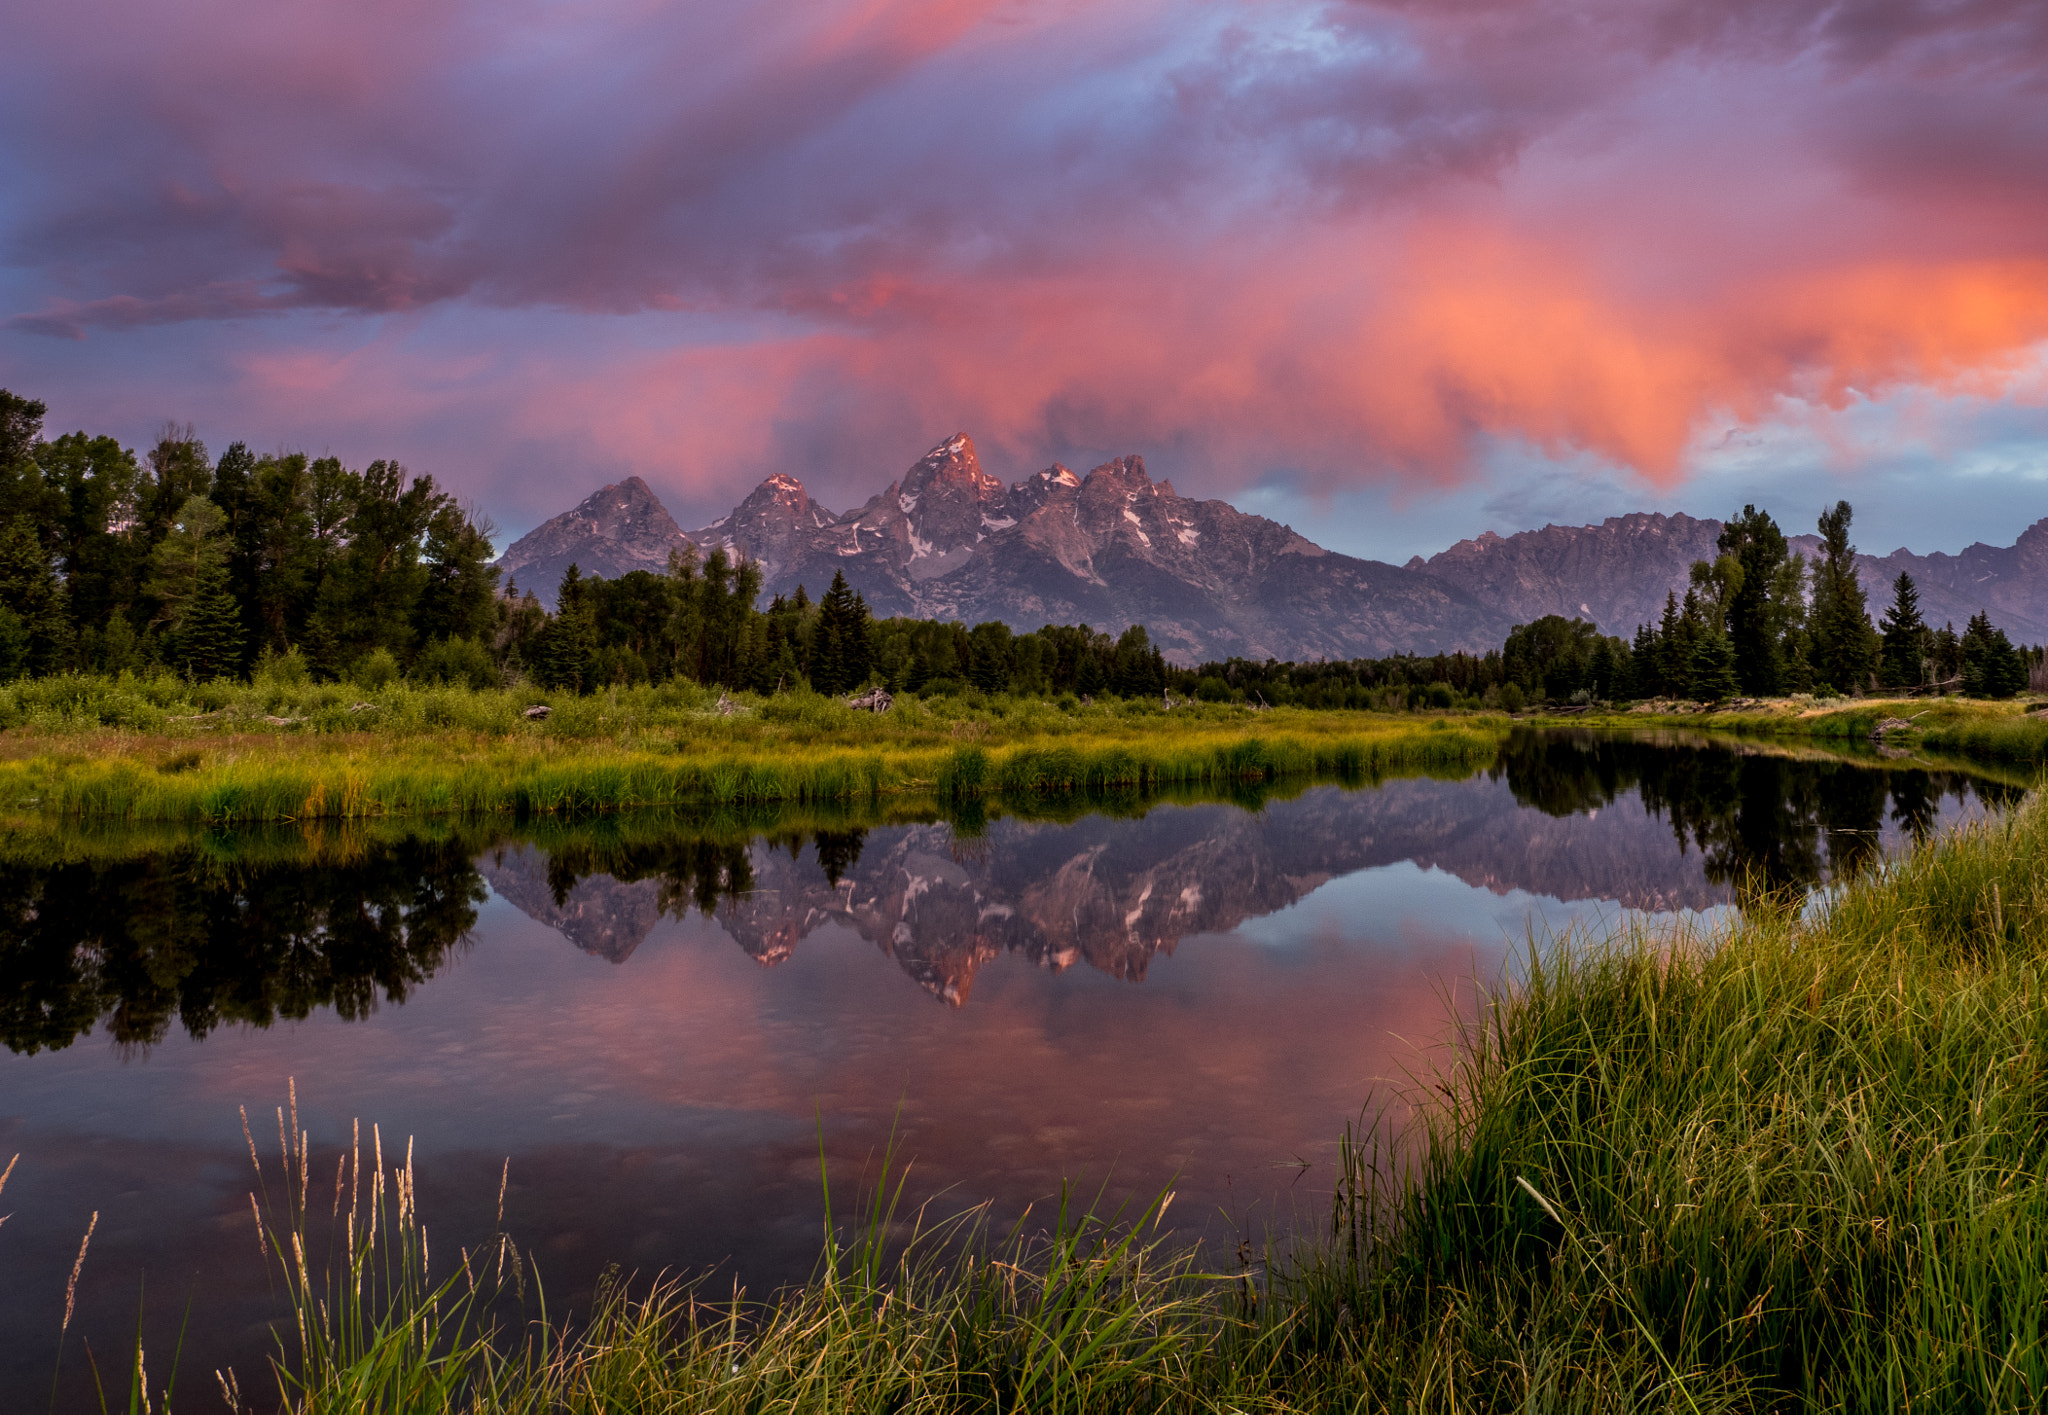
<point x="1845" y="647"/>
<point x="1992" y="667"/>
<point x="1714" y="676"/>
<point x="1947" y="656"/>
<point x="1644" y="678"/>
<point x="34" y="598"/>
<point x="1904" y="635"/>
<point x="988" y="656"/>
<point x="1674" y="646"/>
<point x="188" y="580"/>
<point x="565" y="654"/>
<point x="207" y="641"/>
<point x="1756" y="617"/>
<point x="832" y="647"/>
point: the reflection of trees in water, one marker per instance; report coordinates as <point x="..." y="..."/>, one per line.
<point x="174" y="936"/>
<point x="1760" y="822"/>
<point x="692" y="872"/>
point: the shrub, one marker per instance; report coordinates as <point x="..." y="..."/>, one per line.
<point x="375" y="670"/>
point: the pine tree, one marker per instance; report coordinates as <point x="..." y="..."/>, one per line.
<point x="1756" y="617"/>
<point x="1713" y="666"/>
<point x="1645" y="679"/>
<point x="30" y="589"/>
<point x="831" y="651"/>
<point x="1845" y="647"/>
<point x="1675" y="643"/>
<point x="207" y="642"/>
<point x="1992" y="667"/>
<point x="1904" y="633"/>
<point x="1947" y="656"/>
<point x="565" y="652"/>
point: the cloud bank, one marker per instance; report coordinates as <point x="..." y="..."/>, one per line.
<point x="1356" y="242"/>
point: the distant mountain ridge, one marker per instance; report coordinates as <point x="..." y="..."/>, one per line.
<point x="1618" y="572"/>
<point x="1114" y="548"/>
<point x="1111" y="549"/>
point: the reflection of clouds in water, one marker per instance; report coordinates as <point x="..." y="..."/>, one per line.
<point x="1421" y="908"/>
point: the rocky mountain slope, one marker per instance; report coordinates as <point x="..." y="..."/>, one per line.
<point x="1618" y="572"/>
<point x="1114" y="548"/>
<point x="614" y="530"/>
<point x="1111" y="549"/>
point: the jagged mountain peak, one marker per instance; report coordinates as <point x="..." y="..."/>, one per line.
<point x="617" y="529"/>
<point x="952" y="462"/>
<point x="1057" y="475"/>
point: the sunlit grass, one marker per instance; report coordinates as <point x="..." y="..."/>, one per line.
<point x="124" y="750"/>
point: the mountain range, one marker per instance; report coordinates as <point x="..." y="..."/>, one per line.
<point x="1113" y="548"/>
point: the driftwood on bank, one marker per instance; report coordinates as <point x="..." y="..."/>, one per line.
<point x="875" y="699"/>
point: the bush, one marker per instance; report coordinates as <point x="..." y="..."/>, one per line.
<point x="462" y="662"/>
<point x="283" y="672"/>
<point x="375" y="670"/>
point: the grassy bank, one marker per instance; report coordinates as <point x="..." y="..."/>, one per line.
<point x="1986" y="731"/>
<point x="129" y="750"/>
<point x="1797" y="1165"/>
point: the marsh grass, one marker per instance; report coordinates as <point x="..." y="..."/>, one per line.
<point x="2012" y="731"/>
<point x="119" y="749"/>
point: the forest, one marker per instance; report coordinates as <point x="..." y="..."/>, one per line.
<point x="213" y="567"/>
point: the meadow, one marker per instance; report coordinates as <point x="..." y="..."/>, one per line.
<point x="1793" y="1163"/>
<point x="161" y="749"/>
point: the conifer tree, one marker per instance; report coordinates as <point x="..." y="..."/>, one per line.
<point x="1905" y="633"/>
<point x="1756" y="615"/>
<point x="35" y="599"/>
<point x="1644" y="678"/>
<point x="1845" y="647"/>
<point x="1713" y="666"/>
<point x="207" y="642"/>
<point x="832" y="649"/>
<point x="1992" y="667"/>
<point x="1948" y="657"/>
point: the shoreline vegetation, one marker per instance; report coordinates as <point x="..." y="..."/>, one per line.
<point x="2000" y="731"/>
<point x="284" y="750"/>
<point x="1795" y="1162"/>
<point x="159" y="749"/>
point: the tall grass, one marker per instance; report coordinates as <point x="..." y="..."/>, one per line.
<point x="779" y="752"/>
<point x="1804" y="1160"/>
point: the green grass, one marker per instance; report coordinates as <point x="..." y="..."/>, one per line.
<point x="1985" y="731"/>
<point x="1799" y="1164"/>
<point x="124" y="749"/>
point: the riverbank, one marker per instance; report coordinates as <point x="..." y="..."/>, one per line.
<point x="2010" y="731"/>
<point x="1793" y="1165"/>
<point x="160" y="750"/>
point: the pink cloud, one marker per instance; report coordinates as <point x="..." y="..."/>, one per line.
<point x="1342" y="239"/>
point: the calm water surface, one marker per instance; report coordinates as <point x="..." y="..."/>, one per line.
<point x="658" y="1021"/>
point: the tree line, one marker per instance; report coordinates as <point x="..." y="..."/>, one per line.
<point x="1758" y="621"/>
<point x="208" y="567"/>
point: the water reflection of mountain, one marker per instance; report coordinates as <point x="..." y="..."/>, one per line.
<point x="1642" y="827"/>
<point x="219" y="930"/>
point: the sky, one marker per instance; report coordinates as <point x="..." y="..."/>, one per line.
<point x="1393" y="271"/>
